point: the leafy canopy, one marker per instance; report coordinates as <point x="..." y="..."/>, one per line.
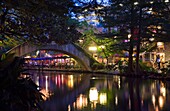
<point x="38" y="21"/>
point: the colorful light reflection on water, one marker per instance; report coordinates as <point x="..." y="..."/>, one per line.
<point x="85" y="92"/>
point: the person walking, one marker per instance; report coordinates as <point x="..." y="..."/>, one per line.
<point x="158" y="61"/>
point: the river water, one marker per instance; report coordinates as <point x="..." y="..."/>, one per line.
<point x="66" y="91"/>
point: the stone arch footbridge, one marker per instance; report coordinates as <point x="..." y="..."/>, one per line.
<point x="74" y="51"/>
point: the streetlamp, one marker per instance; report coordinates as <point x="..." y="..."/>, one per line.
<point x="152" y="39"/>
<point x="102" y="47"/>
<point x="166" y="1"/>
<point x="129" y="36"/>
<point x="93" y="49"/>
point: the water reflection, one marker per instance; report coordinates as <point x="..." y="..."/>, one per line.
<point x="80" y="102"/>
<point x="77" y="92"/>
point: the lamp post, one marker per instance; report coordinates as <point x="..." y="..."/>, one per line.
<point x="93" y="49"/>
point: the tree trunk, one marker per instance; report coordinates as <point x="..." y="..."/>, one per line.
<point x="130" y="63"/>
<point x="137" y="69"/>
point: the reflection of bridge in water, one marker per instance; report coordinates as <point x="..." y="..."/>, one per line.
<point x="69" y="98"/>
<point x="62" y="89"/>
<point x="72" y="50"/>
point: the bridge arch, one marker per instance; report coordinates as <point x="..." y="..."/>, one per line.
<point x="72" y="50"/>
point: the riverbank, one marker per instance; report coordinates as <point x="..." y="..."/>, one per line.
<point x="143" y="75"/>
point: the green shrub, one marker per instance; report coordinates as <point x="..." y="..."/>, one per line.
<point x="97" y="66"/>
<point x="145" y="67"/>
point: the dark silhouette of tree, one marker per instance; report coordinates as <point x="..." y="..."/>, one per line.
<point x="38" y="21"/>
